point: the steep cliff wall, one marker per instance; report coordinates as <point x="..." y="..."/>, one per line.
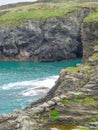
<point x="74" y="98"/>
<point x="89" y="38"/>
<point x="52" y="39"/>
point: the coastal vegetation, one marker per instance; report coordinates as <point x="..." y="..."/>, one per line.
<point x="74" y="98"/>
<point x="80" y="68"/>
<point x="92" y="18"/>
<point x="41" y="11"/>
<point x="54" y="115"/>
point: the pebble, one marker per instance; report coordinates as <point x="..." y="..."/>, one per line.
<point x="39" y="109"/>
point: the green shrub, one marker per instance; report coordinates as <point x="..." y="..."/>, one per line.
<point x="64" y="101"/>
<point x="54" y="115"/>
<point x="92" y="18"/>
<point x="88" y="101"/>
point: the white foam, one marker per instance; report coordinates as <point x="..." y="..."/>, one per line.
<point x="33" y="87"/>
<point x="35" y="91"/>
<point x="42" y="87"/>
<point x="17" y="85"/>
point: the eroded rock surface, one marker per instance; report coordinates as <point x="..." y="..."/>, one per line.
<point x="74" y="97"/>
<point x="53" y="39"/>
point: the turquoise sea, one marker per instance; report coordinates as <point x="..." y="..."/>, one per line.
<point x="24" y="82"/>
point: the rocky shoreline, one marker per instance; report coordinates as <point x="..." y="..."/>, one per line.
<point x="74" y="98"/>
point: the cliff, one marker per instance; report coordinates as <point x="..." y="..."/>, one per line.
<point x="90" y="38"/>
<point x="42" y="31"/>
<point x="73" y="100"/>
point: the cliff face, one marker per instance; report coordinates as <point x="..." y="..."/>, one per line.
<point x="74" y="99"/>
<point x="53" y="39"/>
<point x="74" y="96"/>
<point x="89" y="39"/>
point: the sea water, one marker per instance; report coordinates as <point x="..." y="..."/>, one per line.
<point x="22" y="83"/>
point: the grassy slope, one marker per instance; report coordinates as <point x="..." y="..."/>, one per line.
<point x="92" y="18"/>
<point x="42" y="10"/>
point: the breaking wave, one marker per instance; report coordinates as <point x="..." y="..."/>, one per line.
<point x="32" y="87"/>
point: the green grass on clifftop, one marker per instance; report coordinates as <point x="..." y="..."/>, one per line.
<point x="42" y="10"/>
<point x="35" y="11"/>
<point x="92" y="18"/>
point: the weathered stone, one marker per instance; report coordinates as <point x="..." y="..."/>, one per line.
<point x="39" y="109"/>
<point x="40" y="40"/>
<point x="95" y="124"/>
<point x="51" y="103"/>
<point x="45" y="105"/>
<point x="63" y="96"/>
<point x="17" y="126"/>
<point x="60" y="104"/>
<point x="56" y="99"/>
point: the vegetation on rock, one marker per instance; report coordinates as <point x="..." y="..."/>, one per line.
<point x="92" y="18"/>
<point x="40" y="11"/>
<point x="54" y="115"/>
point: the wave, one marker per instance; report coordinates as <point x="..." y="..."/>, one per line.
<point x="32" y="87"/>
<point x="35" y="91"/>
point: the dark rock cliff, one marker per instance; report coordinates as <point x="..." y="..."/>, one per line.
<point x="89" y="38"/>
<point x="54" y="39"/>
<point x="74" y="97"/>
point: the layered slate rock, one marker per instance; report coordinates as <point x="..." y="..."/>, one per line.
<point x="74" y="97"/>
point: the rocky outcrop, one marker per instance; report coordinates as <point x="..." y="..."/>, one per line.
<point x="53" y="39"/>
<point x="89" y="39"/>
<point x="74" y="101"/>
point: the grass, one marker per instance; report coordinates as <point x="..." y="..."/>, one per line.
<point x="64" y="101"/>
<point x="92" y="18"/>
<point x="41" y="10"/>
<point x="88" y="101"/>
<point x="94" y="56"/>
<point x="77" y="69"/>
<point x="73" y="69"/>
<point x="54" y="115"/>
<point x="35" y="11"/>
